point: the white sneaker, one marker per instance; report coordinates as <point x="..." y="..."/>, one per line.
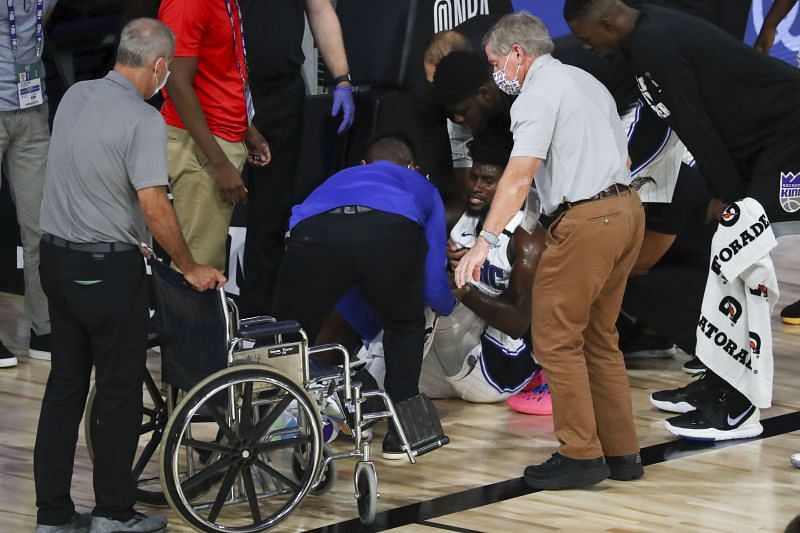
<point x="795" y="458"/>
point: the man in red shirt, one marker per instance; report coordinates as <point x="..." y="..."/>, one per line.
<point x="209" y="114"/>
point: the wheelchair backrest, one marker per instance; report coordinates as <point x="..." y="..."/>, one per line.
<point x="192" y="328"/>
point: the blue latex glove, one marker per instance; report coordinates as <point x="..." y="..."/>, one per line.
<point x="343" y="101"/>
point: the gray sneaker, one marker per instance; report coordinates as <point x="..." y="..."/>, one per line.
<point x="139" y="524"/>
<point x="78" y="524"/>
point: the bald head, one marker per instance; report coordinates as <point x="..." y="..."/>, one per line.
<point x="143" y="41"/>
<point x="604" y="26"/>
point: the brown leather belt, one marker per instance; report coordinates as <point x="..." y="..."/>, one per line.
<point x="614" y="190"/>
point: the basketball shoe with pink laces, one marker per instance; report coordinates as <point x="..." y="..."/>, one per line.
<point x="534" y="399"/>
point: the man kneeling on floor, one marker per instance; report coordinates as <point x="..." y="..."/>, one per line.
<point x="482" y="351"/>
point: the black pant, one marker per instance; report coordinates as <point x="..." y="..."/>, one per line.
<point x="383" y="254"/>
<point x="668" y="299"/>
<point x="271" y="189"/>
<point x="98" y="307"/>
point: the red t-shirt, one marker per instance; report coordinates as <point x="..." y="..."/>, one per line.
<point x="203" y="30"/>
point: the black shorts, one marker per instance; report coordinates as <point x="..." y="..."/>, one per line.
<point x="775" y="183"/>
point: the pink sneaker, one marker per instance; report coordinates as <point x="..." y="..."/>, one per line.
<point x="536" y="379"/>
<point x="534" y="402"/>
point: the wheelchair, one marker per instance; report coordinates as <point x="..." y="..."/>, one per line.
<point x="239" y="425"/>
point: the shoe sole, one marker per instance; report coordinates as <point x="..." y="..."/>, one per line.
<point x="693" y="371"/>
<point x="626" y="472"/>
<point x="531" y="412"/>
<point x="38" y="354"/>
<point x="671" y="407"/>
<point x="712" y="435"/>
<point x="585" y="479"/>
<point x="795" y="459"/>
<point x="8" y="362"/>
<point x="791" y="320"/>
<point x="394" y="456"/>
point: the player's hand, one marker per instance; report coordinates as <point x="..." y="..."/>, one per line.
<point x="715" y="209"/>
<point x="765" y="40"/>
<point x="258" y="152"/>
<point x="469" y="267"/>
<point x="203" y="277"/>
<point x="230" y="184"/>
<point x="454" y="254"/>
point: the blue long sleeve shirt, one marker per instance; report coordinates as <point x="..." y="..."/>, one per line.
<point x="391" y="188"/>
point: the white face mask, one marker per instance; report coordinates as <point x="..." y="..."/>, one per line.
<point x="161" y="85"/>
<point x="512" y="87"/>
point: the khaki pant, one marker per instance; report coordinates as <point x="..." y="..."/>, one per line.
<point x="577" y="295"/>
<point x="24" y="141"/>
<point x="203" y="216"/>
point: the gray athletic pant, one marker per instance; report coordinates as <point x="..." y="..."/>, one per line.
<point x="24" y="140"/>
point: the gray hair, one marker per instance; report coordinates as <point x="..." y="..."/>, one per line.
<point x="143" y="41"/>
<point x="520" y="28"/>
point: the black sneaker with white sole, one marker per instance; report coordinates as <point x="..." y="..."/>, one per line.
<point x="715" y="421"/>
<point x="646" y="347"/>
<point x="683" y="399"/>
<point x="693" y="366"/>
<point x="392" y="447"/>
<point x="7" y="359"/>
<point x="40" y="346"/>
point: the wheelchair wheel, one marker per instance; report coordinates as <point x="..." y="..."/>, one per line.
<point x="262" y="417"/>
<point x="328" y="477"/>
<point x="145" y="466"/>
<point x="367" y="487"/>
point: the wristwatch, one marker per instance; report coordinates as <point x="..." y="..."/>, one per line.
<point x="343" y="78"/>
<point x="489" y="237"/>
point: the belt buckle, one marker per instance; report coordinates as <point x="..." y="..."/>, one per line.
<point x="350" y="210"/>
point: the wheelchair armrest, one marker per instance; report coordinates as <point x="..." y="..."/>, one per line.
<point x="255" y="320"/>
<point x="269" y="329"/>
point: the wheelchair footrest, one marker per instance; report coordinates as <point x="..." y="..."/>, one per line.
<point x="421" y="424"/>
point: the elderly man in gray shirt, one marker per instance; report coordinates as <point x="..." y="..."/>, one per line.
<point x="569" y="139"/>
<point x="105" y="185"/>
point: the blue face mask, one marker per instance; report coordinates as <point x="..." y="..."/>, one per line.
<point x="511" y="87"/>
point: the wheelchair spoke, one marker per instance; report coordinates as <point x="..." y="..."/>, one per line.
<point x="147" y="454"/>
<point x="250" y="490"/>
<point x="222" y="495"/>
<point x="147" y="428"/>
<point x="148" y="412"/>
<point x="265" y="423"/>
<point x="152" y="388"/>
<point x="221" y="422"/>
<point x="267" y="447"/>
<point x="207" y="473"/>
<point x="277" y="476"/>
<point x="207" y="446"/>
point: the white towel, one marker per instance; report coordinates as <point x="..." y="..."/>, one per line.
<point x="734" y="338"/>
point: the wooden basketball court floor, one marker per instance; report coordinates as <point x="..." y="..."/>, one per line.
<point x="474" y="485"/>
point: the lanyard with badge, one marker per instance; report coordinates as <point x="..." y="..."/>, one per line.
<point x="29" y="81"/>
<point x="241" y="68"/>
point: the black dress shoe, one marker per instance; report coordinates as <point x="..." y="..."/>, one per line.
<point x="561" y="472"/>
<point x="625" y="467"/>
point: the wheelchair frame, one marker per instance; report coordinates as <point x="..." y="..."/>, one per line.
<point x="283" y="365"/>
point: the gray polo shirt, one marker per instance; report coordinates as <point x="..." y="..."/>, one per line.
<point x="567" y="118"/>
<point x="107" y="143"/>
<point x="25" y="15"/>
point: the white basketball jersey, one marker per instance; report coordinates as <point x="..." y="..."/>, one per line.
<point x="495" y="273"/>
<point x="496" y="270"/>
